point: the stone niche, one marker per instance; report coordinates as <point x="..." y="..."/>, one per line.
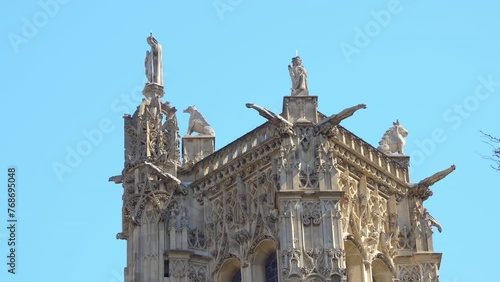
<point x="195" y="148"/>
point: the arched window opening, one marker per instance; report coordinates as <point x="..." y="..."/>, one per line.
<point x="380" y="271"/>
<point x="264" y="264"/>
<point x="230" y="271"/>
<point x="272" y="268"/>
<point x="237" y="276"/>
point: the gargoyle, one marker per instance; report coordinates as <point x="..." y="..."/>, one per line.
<point x="277" y="120"/>
<point x="117" y="179"/>
<point x="121" y="236"/>
<point x="328" y="123"/>
<point x="163" y="173"/>
<point x="421" y="190"/>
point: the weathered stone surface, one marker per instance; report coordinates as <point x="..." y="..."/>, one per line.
<point x="153" y="62"/>
<point x="197" y="122"/>
<point x="195" y="148"/>
<point x="393" y="140"/>
<point x="299" y="198"/>
<point x="298" y="74"/>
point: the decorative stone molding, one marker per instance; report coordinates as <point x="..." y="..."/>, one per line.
<point x="197" y="272"/>
<point x="410" y="273"/>
<point x="358" y="166"/>
<point x="210" y="184"/>
<point x="311" y="213"/>
<point x="385" y="164"/>
<point x="406" y="239"/>
<point x="300" y="186"/>
<point x="430" y="272"/>
<point x="300" y="109"/>
<point x="197" y="239"/>
<point x="148" y="138"/>
<point x="178" y="268"/>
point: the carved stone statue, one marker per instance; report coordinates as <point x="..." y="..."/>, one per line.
<point x="394" y="139"/>
<point x="197" y="123"/>
<point x="298" y="74"/>
<point x="154" y="69"/>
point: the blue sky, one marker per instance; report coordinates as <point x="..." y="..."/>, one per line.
<point x="71" y="69"/>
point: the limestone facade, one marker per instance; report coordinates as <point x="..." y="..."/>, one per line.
<point x="299" y="198"/>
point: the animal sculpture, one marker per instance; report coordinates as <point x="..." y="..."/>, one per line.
<point x="197" y="122"/>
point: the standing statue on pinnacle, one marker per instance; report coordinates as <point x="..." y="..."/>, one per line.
<point x="298" y="74"/>
<point x="154" y="70"/>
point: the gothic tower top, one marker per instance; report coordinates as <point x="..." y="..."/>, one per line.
<point x="298" y="198"/>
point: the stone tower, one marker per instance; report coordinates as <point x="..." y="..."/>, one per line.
<point x="299" y="198"/>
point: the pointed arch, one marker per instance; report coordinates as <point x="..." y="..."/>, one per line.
<point x="380" y="271"/>
<point x="354" y="262"/>
<point x="383" y="266"/>
<point x="262" y="258"/>
<point x="229" y="270"/>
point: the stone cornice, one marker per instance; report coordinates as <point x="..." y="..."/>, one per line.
<point x="421" y="257"/>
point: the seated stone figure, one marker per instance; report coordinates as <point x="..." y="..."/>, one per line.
<point x="298" y="74"/>
<point x="197" y="123"/>
<point x="393" y="140"/>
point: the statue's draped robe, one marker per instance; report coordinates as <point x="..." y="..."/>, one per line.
<point x="154" y="71"/>
<point x="299" y="78"/>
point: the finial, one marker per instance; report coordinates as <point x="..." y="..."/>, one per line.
<point x="296" y="53"/>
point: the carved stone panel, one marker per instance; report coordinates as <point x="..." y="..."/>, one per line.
<point x="300" y="109"/>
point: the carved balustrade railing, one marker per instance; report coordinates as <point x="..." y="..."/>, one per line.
<point x="377" y="158"/>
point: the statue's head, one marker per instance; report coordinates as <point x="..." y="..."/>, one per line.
<point x="151" y="40"/>
<point x="400" y="129"/>
<point x="296" y="61"/>
<point x="189" y="109"/>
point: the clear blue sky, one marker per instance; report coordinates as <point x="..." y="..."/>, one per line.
<point x="70" y="68"/>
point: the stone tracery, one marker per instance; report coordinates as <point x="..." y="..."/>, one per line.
<point x="330" y="206"/>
